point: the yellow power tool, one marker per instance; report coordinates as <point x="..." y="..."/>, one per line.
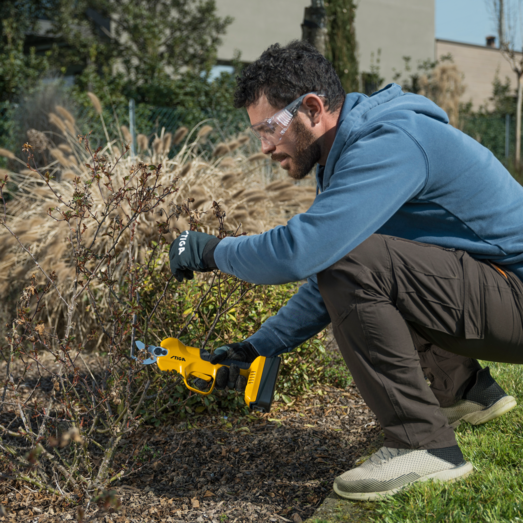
<point x="190" y="362"/>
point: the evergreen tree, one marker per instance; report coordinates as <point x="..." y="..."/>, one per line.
<point x="341" y="42"/>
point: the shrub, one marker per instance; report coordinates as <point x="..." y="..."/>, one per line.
<point x="88" y="255"/>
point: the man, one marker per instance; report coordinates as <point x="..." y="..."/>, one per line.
<point x="413" y="249"/>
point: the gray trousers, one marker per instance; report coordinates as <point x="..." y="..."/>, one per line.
<point x="402" y="310"/>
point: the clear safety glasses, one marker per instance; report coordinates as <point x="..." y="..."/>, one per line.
<point x="271" y="130"/>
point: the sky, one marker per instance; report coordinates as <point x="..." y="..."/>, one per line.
<point x="466" y="21"/>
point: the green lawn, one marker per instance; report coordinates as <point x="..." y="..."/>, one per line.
<point x="494" y="493"/>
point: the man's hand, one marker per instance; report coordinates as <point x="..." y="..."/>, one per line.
<point x="192" y="251"/>
<point x="231" y="377"/>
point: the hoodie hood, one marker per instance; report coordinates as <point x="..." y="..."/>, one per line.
<point x="360" y="111"/>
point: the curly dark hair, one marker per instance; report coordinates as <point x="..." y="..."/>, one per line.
<point x="283" y="74"/>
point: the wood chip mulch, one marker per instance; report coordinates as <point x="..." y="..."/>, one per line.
<point x="272" y="467"/>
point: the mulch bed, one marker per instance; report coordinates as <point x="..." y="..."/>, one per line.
<point x="272" y="467"/>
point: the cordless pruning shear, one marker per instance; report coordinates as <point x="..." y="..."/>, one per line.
<point x="190" y="362"/>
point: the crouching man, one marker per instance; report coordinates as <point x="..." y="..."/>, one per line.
<point x="412" y="249"/>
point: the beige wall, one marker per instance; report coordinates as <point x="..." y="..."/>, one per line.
<point x="397" y="27"/>
<point x="479" y="65"/>
<point x="258" y="24"/>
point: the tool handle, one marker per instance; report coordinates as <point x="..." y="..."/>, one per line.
<point x="203" y="393"/>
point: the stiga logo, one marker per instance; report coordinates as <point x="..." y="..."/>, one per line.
<point x="177" y="358"/>
<point x="183" y="239"/>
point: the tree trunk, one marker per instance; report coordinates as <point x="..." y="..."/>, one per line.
<point x="518" y="121"/>
<point x="501" y="24"/>
<point x="314" y="27"/>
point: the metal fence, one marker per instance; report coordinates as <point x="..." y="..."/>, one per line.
<point x="151" y="120"/>
<point x="496" y="133"/>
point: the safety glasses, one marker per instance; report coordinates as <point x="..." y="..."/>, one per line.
<point x="271" y="130"/>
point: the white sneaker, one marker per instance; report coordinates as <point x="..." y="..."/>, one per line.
<point x="485" y="401"/>
<point x="389" y="470"/>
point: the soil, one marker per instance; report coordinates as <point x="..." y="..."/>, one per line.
<point x="273" y="467"/>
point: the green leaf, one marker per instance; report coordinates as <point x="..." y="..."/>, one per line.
<point x="286" y="399"/>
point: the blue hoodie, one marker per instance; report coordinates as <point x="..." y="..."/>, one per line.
<point x="396" y="167"/>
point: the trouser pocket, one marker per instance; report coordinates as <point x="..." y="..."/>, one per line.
<point x="430" y="286"/>
<point x="474" y="302"/>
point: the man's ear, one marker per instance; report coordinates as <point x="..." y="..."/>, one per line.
<point x="314" y="108"/>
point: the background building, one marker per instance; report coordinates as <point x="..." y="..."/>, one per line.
<point x="480" y="65"/>
<point x="386" y="30"/>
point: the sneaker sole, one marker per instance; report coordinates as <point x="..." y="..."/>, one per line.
<point x="448" y="476"/>
<point x="498" y="409"/>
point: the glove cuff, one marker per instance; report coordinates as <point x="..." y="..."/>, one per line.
<point x="208" y="254"/>
<point x="250" y="350"/>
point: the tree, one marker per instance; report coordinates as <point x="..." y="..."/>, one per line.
<point x="314" y="28"/>
<point x="20" y="67"/>
<point x="341" y="42"/>
<point x="507" y="15"/>
<point x="329" y="26"/>
<point x="148" y="41"/>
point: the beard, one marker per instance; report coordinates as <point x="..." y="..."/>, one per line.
<point x="308" y="151"/>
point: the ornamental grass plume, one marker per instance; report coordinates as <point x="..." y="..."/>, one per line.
<point x="204" y="131"/>
<point x="126" y="133"/>
<point x="158" y="146"/>
<point x="167" y="141"/>
<point x="220" y="150"/>
<point x="64" y="113"/>
<point x="55" y="120"/>
<point x="142" y="142"/>
<point x="227" y="163"/>
<point x="65" y="148"/>
<point x="7" y="154"/>
<point x="257" y="157"/>
<point x="96" y="102"/>
<point x="181" y="133"/>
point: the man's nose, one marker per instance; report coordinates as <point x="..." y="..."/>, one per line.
<point x="267" y="147"/>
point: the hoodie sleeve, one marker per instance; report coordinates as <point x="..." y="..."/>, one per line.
<point x="372" y="179"/>
<point x="302" y="317"/>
